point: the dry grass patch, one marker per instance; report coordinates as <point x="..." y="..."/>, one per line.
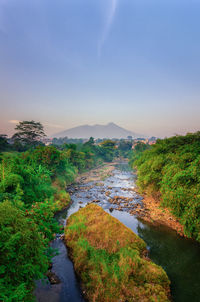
<point x="109" y="259"/>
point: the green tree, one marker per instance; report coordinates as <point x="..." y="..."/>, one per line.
<point x="29" y="133"/>
<point x="108" y="150"/>
<point x="124" y="147"/>
<point x="4" y="146"/>
<point x="90" y="142"/>
<point x="170" y="170"/>
<point x="108" y="144"/>
<point x="20" y="171"/>
<point x="22" y="254"/>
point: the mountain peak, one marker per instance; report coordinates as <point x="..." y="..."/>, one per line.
<point x="112" y="124"/>
<point x="111" y="130"/>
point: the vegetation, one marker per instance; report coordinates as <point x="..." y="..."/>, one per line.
<point x="138" y="149"/>
<point x="65" y="140"/>
<point x="29" y="198"/>
<point x="108" y="150"/>
<point x="32" y="188"/>
<point x="124" y="148"/>
<point x="170" y="170"/>
<point x="4" y="146"/>
<point x="23" y="257"/>
<point x="33" y="181"/>
<point x="109" y="258"/>
<point x="29" y="133"/>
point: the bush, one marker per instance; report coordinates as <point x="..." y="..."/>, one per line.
<point x="22" y="254"/>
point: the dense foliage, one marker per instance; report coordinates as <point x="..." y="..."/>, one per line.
<point x="123" y="148"/>
<point x="107" y="150"/>
<point x="22" y="256"/>
<point x="109" y="259"/>
<point x="4" y="146"/>
<point x="171" y="170"/>
<point x="65" y="140"/>
<point x="30" y="194"/>
<point x="29" y="133"/>
<point x="33" y="181"/>
<point x="138" y="149"/>
<point x="32" y="188"/>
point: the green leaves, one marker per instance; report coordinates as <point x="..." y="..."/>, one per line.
<point x="22" y="254"/>
<point x="35" y="182"/>
<point x="172" y="167"/>
<point x="43" y="215"/>
<point x="29" y="133"/>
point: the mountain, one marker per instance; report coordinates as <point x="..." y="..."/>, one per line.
<point x="110" y="130"/>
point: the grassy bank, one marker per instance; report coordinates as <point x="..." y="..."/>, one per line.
<point x="110" y="259"/>
<point x="169" y="171"/>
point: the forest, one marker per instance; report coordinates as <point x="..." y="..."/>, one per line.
<point x="170" y="172"/>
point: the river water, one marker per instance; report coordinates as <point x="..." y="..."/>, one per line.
<point x="179" y="257"/>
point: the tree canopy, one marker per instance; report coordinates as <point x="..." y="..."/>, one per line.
<point x="3" y="142"/>
<point x="170" y="169"/>
<point x="22" y="254"/>
<point x="29" y="133"/>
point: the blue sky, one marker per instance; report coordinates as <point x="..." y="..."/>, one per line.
<point x="71" y="62"/>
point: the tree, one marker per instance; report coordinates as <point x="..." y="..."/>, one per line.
<point x="108" y="144"/>
<point x="140" y="147"/>
<point x="29" y="133"/>
<point x="22" y="254"/>
<point x="125" y="146"/>
<point x="169" y="170"/>
<point x="108" y="150"/>
<point x="3" y="142"/>
<point x="90" y="142"/>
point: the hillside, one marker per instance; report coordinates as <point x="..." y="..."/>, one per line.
<point x="110" y="130"/>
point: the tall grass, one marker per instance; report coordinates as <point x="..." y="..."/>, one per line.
<point x="109" y="259"/>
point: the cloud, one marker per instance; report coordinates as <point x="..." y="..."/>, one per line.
<point x="53" y="125"/>
<point x="109" y="20"/>
<point x="14" y="122"/>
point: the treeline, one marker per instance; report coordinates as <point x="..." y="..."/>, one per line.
<point x="32" y="188"/>
<point x="170" y="171"/>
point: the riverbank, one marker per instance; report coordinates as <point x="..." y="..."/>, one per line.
<point x="152" y="212"/>
<point x="96" y="174"/>
<point x="149" y="209"/>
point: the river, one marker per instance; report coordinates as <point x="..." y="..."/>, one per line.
<point x="179" y="257"/>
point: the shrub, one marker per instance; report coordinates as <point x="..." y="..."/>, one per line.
<point x="22" y="254"/>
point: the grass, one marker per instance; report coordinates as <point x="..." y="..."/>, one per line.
<point x="109" y="259"/>
<point x="62" y="201"/>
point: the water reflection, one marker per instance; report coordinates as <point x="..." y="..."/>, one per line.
<point x="179" y="257"/>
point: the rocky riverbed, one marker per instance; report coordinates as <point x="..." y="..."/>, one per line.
<point x="147" y="208"/>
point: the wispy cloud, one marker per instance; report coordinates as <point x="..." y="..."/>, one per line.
<point x="53" y="125"/>
<point x="14" y="122"/>
<point x="111" y="9"/>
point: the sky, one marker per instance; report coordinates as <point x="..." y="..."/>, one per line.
<point x="71" y="62"/>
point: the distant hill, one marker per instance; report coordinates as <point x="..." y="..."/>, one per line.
<point x="110" y="130"/>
